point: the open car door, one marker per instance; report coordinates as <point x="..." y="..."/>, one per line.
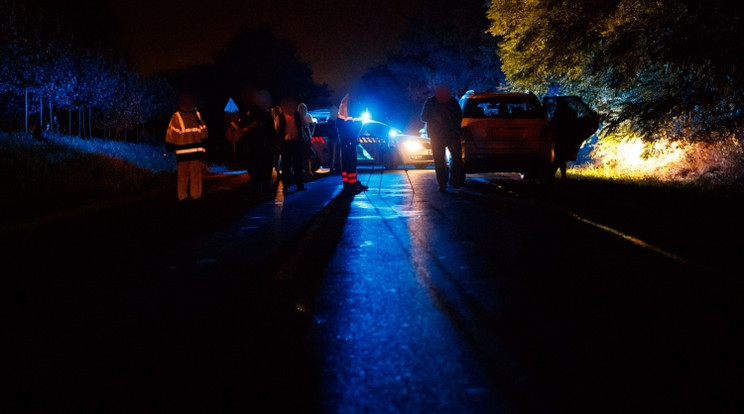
<point x="572" y="121"/>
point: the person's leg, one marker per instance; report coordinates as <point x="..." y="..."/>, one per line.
<point x="438" y="152"/>
<point x="254" y="165"/>
<point x="348" y="161"/>
<point x="196" y="178"/>
<point x="351" y="173"/>
<point x="457" y="171"/>
<point x="308" y="151"/>
<point x="267" y="160"/>
<point x="286" y="165"/>
<point x="298" y="165"/>
<point x="183" y="180"/>
<point x="333" y="146"/>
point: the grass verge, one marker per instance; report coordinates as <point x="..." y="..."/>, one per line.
<point x="61" y="173"/>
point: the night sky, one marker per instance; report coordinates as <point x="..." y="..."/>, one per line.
<point x="340" y="40"/>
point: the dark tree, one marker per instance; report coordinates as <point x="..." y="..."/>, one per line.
<point x="256" y="57"/>
<point x="447" y="42"/>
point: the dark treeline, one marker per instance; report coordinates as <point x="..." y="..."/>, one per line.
<point x="447" y="42"/>
<point x="60" y="70"/>
<point x="253" y="58"/>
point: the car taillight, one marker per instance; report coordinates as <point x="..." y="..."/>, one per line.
<point x="465" y="134"/>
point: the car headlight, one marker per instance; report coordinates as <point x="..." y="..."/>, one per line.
<point x="413" y="146"/>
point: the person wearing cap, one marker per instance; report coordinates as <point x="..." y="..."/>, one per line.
<point x="443" y="116"/>
<point x="348" y="133"/>
<point x="185" y="134"/>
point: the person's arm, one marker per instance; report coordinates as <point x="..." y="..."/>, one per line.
<point x="311" y="125"/>
<point x="250" y="127"/>
<point x="174" y="130"/>
<point x="457" y="112"/>
<point x="203" y="132"/>
<point x="426" y="111"/>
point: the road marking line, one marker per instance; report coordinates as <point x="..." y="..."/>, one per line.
<point x="632" y="239"/>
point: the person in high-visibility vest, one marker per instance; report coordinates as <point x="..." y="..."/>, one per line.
<point x="348" y="132"/>
<point x="185" y="134"/>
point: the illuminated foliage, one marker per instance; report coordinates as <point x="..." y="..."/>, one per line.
<point x="631" y="158"/>
<point x="664" y="69"/>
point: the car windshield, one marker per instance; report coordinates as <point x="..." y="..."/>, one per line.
<point x="502" y="107"/>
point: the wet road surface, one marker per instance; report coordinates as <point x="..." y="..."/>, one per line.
<point x="399" y="300"/>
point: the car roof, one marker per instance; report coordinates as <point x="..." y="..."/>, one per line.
<point x="500" y="95"/>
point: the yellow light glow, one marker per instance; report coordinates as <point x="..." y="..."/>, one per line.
<point x="631" y="158"/>
<point x="413" y="146"/>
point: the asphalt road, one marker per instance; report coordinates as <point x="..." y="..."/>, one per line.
<point x="486" y="299"/>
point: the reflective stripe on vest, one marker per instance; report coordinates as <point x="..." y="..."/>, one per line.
<point x="190" y="151"/>
<point x="185" y="130"/>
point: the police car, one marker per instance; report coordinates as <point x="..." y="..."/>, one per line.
<point x="379" y="144"/>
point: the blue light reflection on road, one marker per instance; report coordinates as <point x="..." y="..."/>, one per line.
<point x="386" y="343"/>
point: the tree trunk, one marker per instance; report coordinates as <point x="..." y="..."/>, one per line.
<point x="41" y="111"/>
<point x="69" y="122"/>
<point x="51" y="117"/>
<point x="90" y="121"/>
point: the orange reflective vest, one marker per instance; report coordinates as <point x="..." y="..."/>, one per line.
<point x="186" y="132"/>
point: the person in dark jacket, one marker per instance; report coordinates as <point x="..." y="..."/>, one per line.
<point x="443" y="116"/>
<point x="348" y="133"/>
<point x="185" y="134"/>
<point x="269" y="139"/>
<point x="288" y="125"/>
<point x="257" y="127"/>
<point x="564" y="125"/>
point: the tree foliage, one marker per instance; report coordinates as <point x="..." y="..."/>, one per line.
<point x="61" y="56"/>
<point x="664" y="68"/>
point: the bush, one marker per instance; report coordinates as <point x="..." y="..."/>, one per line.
<point x="627" y="157"/>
